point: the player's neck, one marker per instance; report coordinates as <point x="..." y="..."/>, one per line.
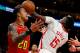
<point x="64" y="29"/>
<point x="19" y="22"/>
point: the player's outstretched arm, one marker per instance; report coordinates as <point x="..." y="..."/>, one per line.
<point x="36" y="15"/>
<point x="46" y="19"/>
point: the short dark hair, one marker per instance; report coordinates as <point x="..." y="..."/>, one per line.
<point x="16" y="10"/>
<point x="69" y="23"/>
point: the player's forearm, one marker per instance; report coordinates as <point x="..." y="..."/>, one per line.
<point x="21" y="37"/>
<point x="14" y="34"/>
<point x="36" y="15"/>
<point x="17" y="38"/>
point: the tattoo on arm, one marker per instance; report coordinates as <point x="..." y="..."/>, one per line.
<point x="14" y="35"/>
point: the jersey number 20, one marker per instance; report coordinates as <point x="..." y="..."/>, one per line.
<point x="23" y="44"/>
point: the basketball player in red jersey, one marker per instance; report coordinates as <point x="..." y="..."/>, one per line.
<point x="18" y="33"/>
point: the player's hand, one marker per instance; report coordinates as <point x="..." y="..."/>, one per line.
<point x="72" y="48"/>
<point x="78" y="48"/>
<point x="74" y="42"/>
<point x="36" y="26"/>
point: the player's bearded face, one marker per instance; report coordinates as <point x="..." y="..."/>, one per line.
<point x="24" y="15"/>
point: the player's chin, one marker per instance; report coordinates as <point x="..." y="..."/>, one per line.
<point x="26" y="19"/>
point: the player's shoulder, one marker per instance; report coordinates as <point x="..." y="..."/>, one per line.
<point x="48" y="16"/>
<point x="11" y="25"/>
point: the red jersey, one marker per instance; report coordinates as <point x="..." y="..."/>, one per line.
<point x="23" y="46"/>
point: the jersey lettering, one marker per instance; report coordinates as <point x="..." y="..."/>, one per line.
<point x="23" y="44"/>
<point x="54" y="42"/>
<point x="60" y="34"/>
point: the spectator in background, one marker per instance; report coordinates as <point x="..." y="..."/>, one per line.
<point x="75" y="45"/>
<point x="34" y="49"/>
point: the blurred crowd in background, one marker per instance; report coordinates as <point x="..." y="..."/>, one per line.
<point x="54" y="8"/>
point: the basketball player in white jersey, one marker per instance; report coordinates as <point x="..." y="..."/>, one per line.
<point x="56" y="33"/>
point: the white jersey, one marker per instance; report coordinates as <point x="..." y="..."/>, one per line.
<point x="29" y="52"/>
<point x="54" y="36"/>
<point x="44" y="51"/>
